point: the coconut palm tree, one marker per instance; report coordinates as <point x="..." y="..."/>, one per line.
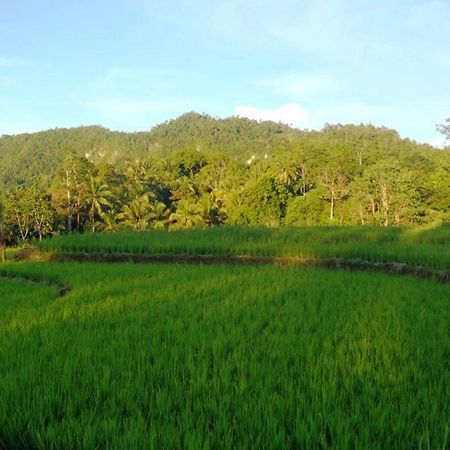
<point x="97" y="198"/>
<point x="187" y="215"/>
<point x="144" y="212"/>
<point x="109" y="220"/>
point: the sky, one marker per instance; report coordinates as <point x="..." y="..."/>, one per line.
<point x="129" y="65"/>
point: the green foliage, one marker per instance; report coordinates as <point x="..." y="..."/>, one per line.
<point x="200" y="171"/>
<point x="38" y="157"/>
<point x="418" y="246"/>
<point x="27" y="213"/>
<point x="225" y="357"/>
<point x="307" y="209"/>
<point x="186" y="215"/>
<point x="142" y="212"/>
<point x="263" y="201"/>
<point x="3" y="233"/>
<point x="445" y="129"/>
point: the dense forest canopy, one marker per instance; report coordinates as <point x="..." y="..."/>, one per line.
<point x="197" y="170"/>
<point x="38" y="157"/>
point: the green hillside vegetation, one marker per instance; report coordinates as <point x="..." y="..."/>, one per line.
<point x="197" y="171"/>
<point x="38" y="157"/>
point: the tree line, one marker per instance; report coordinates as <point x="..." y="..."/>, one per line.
<point x="352" y="175"/>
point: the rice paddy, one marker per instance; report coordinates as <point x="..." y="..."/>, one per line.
<point x="428" y="247"/>
<point x="199" y="357"/>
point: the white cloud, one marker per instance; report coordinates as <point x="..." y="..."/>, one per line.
<point x="289" y="114"/>
<point x="438" y="142"/>
<point x="314" y="118"/>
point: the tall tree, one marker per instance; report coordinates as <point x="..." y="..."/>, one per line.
<point x="187" y="215"/>
<point x="41" y="214"/>
<point x="336" y="182"/>
<point x="19" y="209"/>
<point x="97" y="197"/>
<point x="69" y="192"/>
<point x="143" y="213"/>
<point x="445" y="129"/>
<point x="3" y="232"/>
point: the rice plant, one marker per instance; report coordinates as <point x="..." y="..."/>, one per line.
<point x="418" y="246"/>
<point x="180" y="356"/>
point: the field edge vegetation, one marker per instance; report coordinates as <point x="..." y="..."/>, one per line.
<point x="418" y="247"/>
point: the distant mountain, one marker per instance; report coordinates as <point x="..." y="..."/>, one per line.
<point x="38" y="157"/>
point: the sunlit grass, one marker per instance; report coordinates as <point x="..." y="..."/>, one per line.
<point x="158" y="356"/>
<point x="428" y="247"/>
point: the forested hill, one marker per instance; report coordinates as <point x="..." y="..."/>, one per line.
<point x="201" y="171"/>
<point x="38" y="157"/>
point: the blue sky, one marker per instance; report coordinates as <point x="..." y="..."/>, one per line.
<point x="129" y="65"/>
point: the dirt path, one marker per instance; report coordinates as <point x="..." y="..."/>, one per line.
<point x="393" y="268"/>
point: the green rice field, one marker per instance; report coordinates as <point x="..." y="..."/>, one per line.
<point x="428" y="247"/>
<point x="174" y="356"/>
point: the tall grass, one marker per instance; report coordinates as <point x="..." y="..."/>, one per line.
<point x="157" y="356"/>
<point x="418" y="246"/>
